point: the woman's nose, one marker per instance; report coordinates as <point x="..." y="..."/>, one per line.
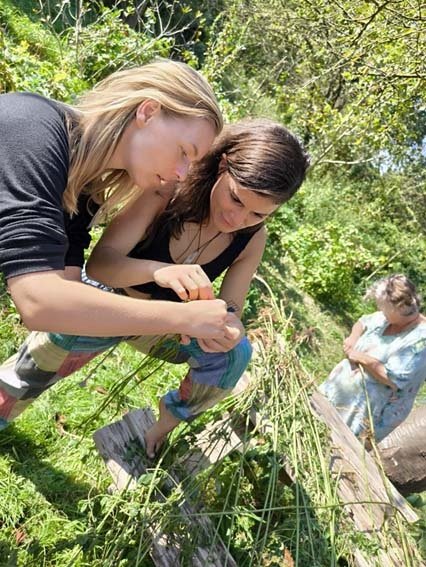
<point x="182" y="169"/>
<point x="239" y="217"/>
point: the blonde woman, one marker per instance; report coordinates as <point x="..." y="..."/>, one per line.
<point x="375" y="386"/>
<point x="63" y="168"/>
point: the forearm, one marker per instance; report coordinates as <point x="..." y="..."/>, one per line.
<point x="235" y="297"/>
<point x="374" y="367"/>
<point x="114" y="269"/>
<point x="356" y="332"/>
<point x="351" y="340"/>
<point x="234" y="303"/>
<point x="49" y="302"/>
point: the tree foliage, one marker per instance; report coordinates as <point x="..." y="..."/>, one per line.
<point x="348" y="76"/>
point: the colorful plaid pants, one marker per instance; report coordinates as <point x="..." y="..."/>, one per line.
<point x="46" y="358"/>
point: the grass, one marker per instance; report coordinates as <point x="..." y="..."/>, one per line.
<point x="56" y="497"/>
<point x="55" y="504"/>
<point x="55" y="508"/>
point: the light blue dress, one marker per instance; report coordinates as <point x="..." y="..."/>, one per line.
<point x="357" y="395"/>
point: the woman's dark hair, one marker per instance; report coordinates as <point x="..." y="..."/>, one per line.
<point x="261" y="155"/>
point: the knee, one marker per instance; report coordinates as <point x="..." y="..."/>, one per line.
<point x="219" y="369"/>
<point x="239" y="358"/>
<point x="234" y="363"/>
<point x="243" y="350"/>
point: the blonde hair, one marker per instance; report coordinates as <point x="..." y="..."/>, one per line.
<point x="99" y="119"/>
<point x="398" y="291"/>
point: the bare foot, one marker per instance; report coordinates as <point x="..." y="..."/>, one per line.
<point x="153" y="441"/>
<point x="157" y="434"/>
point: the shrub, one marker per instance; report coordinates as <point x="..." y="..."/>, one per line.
<point x="329" y="261"/>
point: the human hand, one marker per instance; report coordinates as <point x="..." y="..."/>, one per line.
<point x="188" y="281"/>
<point x="349" y="343"/>
<point x="204" y="319"/>
<point x="354" y="356"/>
<point x="234" y="332"/>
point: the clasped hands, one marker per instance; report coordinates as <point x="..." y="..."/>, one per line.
<point x="190" y="282"/>
<point x="354" y="356"/>
<point x="359" y="358"/>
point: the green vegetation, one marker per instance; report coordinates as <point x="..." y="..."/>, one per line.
<point x="348" y="77"/>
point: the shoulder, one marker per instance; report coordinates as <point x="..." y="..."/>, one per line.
<point x="253" y="244"/>
<point x="147" y="205"/>
<point x="260" y="235"/>
<point x="419" y="347"/>
<point x="32" y="116"/>
<point x="34" y="150"/>
<point x="130" y="225"/>
<point x="257" y="238"/>
<point x="17" y="107"/>
<point x="373" y="320"/>
<point x="417" y="338"/>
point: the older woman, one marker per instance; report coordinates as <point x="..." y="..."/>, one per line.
<point x="374" y="387"/>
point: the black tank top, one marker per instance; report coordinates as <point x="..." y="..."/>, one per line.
<point x="157" y="248"/>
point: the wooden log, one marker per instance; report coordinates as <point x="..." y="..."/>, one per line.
<point x="370" y="496"/>
<point x="212" y="444"/>
<point x="360" y="477"/>
<point x="361" y="483"/>
<point x="403" y="453"/>
<point x="121" y="445"/>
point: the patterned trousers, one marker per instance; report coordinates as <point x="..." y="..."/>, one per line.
<point x="46" y="358"/>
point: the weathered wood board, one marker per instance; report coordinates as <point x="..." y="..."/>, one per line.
<point x="360" y="479"/>
<point x="116" y="443"/>
<point x="363" y="485"/>
<point x="369" y="495"/>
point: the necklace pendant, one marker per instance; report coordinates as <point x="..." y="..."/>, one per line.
<point x="191" y="258"/>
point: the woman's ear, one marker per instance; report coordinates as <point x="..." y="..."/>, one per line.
<point x="147" y="110"/>
<point x="223" y="164"/>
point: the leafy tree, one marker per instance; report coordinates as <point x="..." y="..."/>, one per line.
<point x="348" y="75"/>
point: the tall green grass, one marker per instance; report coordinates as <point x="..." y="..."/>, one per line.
<point x="55" y="504"/>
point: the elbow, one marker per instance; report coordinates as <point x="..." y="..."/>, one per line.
<point x="94" y="272"/>
<point x="99" y="277"/>
<point x="34" y="323"/>
<point x="33" y="313"/>
<point x="34" y="306"/>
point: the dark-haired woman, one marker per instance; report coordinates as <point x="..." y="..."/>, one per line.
<point x="214" y="224"/>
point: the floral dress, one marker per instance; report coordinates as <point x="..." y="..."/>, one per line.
<point x="367" y="406"/>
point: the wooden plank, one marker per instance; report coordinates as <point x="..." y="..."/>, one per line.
<point x="121" y="445"/>
<point x="388" y="558"/>
<point x="116" y="443"/>
<point x="211" y="445"/>
<point x="361" y="480"/>
<point x="217" y="440"/>
<point x="365" y="482"/>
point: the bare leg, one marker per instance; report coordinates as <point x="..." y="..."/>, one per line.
<point x="156" y="435"/>
<point x="208" y="381"/>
